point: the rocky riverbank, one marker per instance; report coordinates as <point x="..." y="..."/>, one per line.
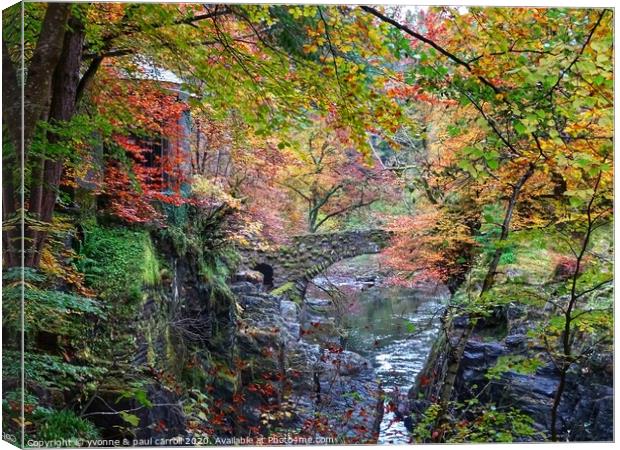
<point x="352" y="304"/>
<point x="325" y="392"/>
<point x="586" y="411"/>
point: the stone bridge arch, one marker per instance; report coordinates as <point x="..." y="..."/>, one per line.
<point x="289" y="269"/>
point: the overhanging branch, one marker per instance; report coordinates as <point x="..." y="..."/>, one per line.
<point x="429" y="42"/>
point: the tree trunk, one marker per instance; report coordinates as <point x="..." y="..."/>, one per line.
<point x="556" y="404"/>
<point x="489" y="279"/>
<point x="36" y="103"/>
<point x="41" y="70"/>
<point x="567" y="344"/>
<point x="456" y="353"/>
<point x="454" y="360"/>
<point x="63" y="106"/>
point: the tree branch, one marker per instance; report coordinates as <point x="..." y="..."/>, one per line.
<point x="428" y="41"/>
<point x="492" y="124"/>
<point x="298" y="191"/>
<point x="360" y="204"/>
<point x="128" y="31"/>
<point x="583" y="48"/>
<point x="594" y="288"/>
<point x="87" y="78"/>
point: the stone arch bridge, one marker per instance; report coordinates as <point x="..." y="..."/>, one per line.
<point x="290" y="268"/>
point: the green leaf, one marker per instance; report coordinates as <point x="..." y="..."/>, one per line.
<point x="493" y="164"/>
<point x="131" y="419"/>
<point x="520" y="128"/>
<point x="142" y="398"/>
<point x="599" y="79"/>
<point x="468" y="167"/>
<point x="473" y="152"/>
<point x="453" y="130"/>
<point x="587" y="67"/>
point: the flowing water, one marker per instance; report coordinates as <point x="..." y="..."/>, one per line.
<point x="393" y="327"/>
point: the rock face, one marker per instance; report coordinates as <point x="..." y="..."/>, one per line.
<point x="183" y="321"/>
<point x="586" y="410"/>
<point x="319" y="390"/>
<point x="228" y="361"/>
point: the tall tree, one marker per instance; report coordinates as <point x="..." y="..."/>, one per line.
<point x="45" y="97"/>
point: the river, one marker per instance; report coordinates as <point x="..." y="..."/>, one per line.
<point x="392" y="326"/>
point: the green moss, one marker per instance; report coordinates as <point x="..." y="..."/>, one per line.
<point x="179" y="239"/>
<point x="288" y="290"/>
<point x="151" y="272"/>
<point x="513" y="363"/>
<point x="119" y="262"/>
<point x="285" y="288"/>
<point x="216" y="269"/>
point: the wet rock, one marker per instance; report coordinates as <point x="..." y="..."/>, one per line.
<point x="290" y="315"/>
<point x="318" y="303"/>
<point x="334" y="387"/>
<point x="260" y="305"/>
<point x="244" y="287"/>
<point x="367" y="280"/>
<point x="481" y="354"/>
<point x="166" y="414"/>
<point x="250" y="276"/>
<point x="345" y="363"/>
<point x="289" y="311"/>
<point x="516" y="341"/>
<point x="531" y="384"/>
<point x="514" y="312"/>
<point x="598" y="409"/>
<point x="585" y="413"/>
<point x="164" y="419"/>
<point x="350" y="398"/>
<point x="460" y="322"/>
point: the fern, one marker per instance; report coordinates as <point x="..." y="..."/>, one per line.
<point x="45" y="309"/>
<point x="49" y="370"/>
